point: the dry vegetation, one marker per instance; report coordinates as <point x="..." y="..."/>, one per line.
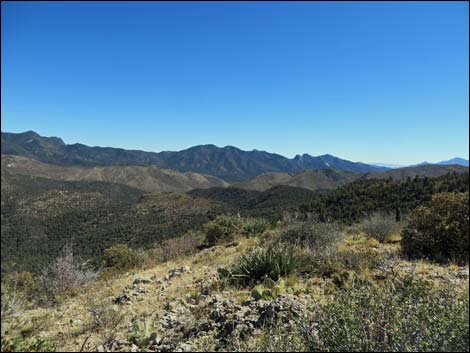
<point x="143" y="305"/>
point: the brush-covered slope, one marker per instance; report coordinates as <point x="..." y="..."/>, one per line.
<point x="315" y="180"/>
<point x="328" y="161"/>
<point x="41" y="215"/>
<point x="147" y="178"/>
<point x="354" y="201"/>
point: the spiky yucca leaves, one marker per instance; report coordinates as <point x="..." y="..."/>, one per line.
<point x="272" y="261"/>
<point x="254" y="226"/>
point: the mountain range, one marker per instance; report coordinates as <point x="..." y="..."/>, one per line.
<point x="198" y="167"/>
<point x="155" y="179"/>
<point x="228" y="163"/>
<point x="456" y="160"/>
<point x="452" y="161"/>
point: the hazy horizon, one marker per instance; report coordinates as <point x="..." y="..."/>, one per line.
<point x="369" y="82"/>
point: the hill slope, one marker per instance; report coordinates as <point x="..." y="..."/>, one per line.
<point x="315" y="180"/>
<point x="147" y="178"/>
<point x="40" y="215"/>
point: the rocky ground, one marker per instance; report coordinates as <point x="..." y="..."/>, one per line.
<point x="180" y="306"/>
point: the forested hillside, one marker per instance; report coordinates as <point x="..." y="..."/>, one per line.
<point x="354" y="201"/>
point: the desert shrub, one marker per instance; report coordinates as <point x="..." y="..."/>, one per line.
<point x="358" y="260"/>
<point x="13" y="301"/>
<point x="173" y="248"/>
<point x="65" y="275"/>
<point x="18" y="290"/>
<point x="121" y="257"/>
<point x="272" y="261"/>
<point x="439" y="230"/>
<point x="104" y="318"/>
<point x="325" y="263"/>
<point x="318" y="243"/>
<point x="312" y="235"/>
<point x="222" y="230"/>
<point x="402" y="315"/>
<point x="330" y="261"/>
<point x="24" y="282"/>
<point x="379" y="227"/>
<point x="254" y="226"/>
<point x="275" y="337"/>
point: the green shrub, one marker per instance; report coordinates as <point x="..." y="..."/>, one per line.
<point x="439" y="230"/>
<point x="254" y="226"/>
<point x="19" y="344"/>
<point x="316" y="236"/>
<point x="379" y="227"/>
<point x="271" y="262"/>
<point x="402" y="315"/>
<point x="222" y="230"/>
<point x="358" y="260"/>
<point x="121" y="257"/>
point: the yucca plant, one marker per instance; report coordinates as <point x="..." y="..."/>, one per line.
<point x="255" y="226"/>
<point x="273" y="262"/>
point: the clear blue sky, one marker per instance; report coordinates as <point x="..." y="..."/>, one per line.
<point x="372" y="82"/>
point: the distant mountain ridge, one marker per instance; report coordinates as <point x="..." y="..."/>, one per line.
<point x="150" y="178"/>
<point x="228" y="163"/>
<point x="453" y="161"/>
<point x="422" y="170"/>
<point x="456" y="160"/>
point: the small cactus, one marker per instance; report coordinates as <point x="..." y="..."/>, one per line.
<point x="274" y="290"/>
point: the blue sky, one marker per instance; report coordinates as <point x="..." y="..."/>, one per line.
<point x="372" y="82"/>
